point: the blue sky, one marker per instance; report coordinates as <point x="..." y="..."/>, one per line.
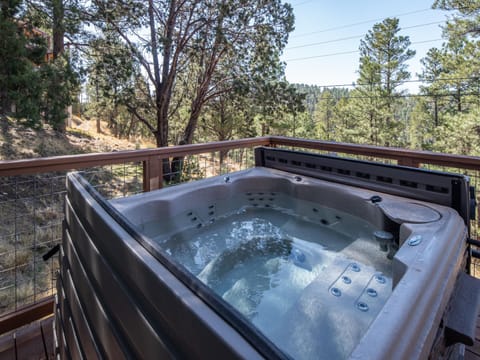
<point x="323" y="49"/>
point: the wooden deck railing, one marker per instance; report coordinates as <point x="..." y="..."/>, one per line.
<point x="151" y="156"/>
<point x="151" y="160"/>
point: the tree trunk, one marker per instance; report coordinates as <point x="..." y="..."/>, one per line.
<point x="58" y="31"/>
<point x="58" y="27"/>
<point x="162" y="81"/>
<point x="192" y="122"/>
<point x="459" y="100"/>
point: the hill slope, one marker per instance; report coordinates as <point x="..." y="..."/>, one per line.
<point x="19" y="142"/>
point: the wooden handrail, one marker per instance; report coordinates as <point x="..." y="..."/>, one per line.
<point x="70" y="162"/>
<point x="26" y="315"/>
<point x="399" y="154"/>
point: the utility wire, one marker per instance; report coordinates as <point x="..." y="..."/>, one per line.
<point x="359" y="23"/>
<point x="323" y="55"/>
<point x="356" y="36"/>
<point x="350" y="52"/>
<point x="400" y="83"/>
<point x="399" y="96"/>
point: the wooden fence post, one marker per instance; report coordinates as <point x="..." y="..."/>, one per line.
<point x="152" y="173"/>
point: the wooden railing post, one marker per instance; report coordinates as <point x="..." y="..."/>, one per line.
<point x="152" y="173"/>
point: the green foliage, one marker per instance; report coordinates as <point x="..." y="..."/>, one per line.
<point x="444" y="118"/>
<point x="199" y="70"/>
<point x="465" y="19"/>
<point x="196" y="53"/>
<point x="383" y="68"/>
<point x="459" y="134"/>
<point x="116" y="89"/>
<point x="60" y="84"/>
<point x="19" y="81"/>
<point x="31" y="89"/>
<point x="324" y="116"/>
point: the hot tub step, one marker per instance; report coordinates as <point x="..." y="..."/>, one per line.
<point x="464" y="309"/>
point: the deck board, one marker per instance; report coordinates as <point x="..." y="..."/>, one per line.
<point x="473" y="352"/>
<point x="7" y="347"/>
<point x="470" y="355"/>
<point x="33" y="341"/>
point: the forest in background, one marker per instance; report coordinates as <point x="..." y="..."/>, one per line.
<point x="183" y="71"/>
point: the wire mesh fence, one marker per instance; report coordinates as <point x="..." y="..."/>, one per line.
<point x="31" y="216"/>
<point x="201" y="166"/>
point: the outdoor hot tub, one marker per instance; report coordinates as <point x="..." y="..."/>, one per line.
<point x="303" y="256"/>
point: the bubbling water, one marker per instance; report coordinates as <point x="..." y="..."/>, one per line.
<point x="309" y="287"/>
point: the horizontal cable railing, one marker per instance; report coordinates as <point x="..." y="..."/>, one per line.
<point x="32" y="193"/>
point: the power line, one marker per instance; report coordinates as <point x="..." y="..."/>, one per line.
<point x="325" y="42"/>
<point x="400" y="83"/>
<point x="350" y="52"/>
<point x="400" y="96"/>
<point x="359" y="23"/>
<point x="356" y="36"/>
<point x="323" y="55"/>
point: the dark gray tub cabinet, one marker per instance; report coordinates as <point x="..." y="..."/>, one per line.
<point x="116" y="301"/>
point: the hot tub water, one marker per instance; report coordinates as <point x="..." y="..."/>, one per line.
<point x="305" y="269"/>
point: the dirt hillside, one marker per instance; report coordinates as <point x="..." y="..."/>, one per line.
<point x="19" y="142"/>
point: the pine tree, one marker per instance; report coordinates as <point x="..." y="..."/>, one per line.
<point x="466" y="18"/>
<point x="21" y="51"/>
<point x="383" y="68"/>
<point x="453" y="85"/>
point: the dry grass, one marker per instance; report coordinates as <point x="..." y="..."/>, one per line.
<point x="31" y="207"/>
<point x="19" y="142"/>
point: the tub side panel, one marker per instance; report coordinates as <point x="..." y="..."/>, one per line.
<point x="84" y="334"/>
<point x="145" y="340"/>
<point x="102" y="327"/>
<point x="195" y="330"/>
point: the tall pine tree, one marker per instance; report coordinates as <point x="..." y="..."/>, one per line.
<point x="383" y="68"/>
